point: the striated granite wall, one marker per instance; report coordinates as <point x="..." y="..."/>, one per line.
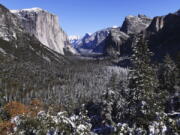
<point x="9" y="24"/>
<point x="45" y="27"/>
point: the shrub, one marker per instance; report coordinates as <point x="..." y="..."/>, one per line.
<point x="15" y="108"/>
<point x="6" y="127"/>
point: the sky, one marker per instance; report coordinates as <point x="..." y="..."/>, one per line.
<point x="78" y="17"/>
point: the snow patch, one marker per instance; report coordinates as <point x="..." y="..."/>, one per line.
<point x="74" y="37"/>
<point x="35" y="9"/>
<point x="81" y="128"/>
<point x="114" y="27"/>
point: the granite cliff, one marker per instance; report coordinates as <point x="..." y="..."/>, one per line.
<point x="45" y="27"/>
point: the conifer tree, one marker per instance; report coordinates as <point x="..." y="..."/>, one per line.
<point x="169" y="75"/>
<point x="107" y="104"/>
<point x="143" y="84"/>
<point x="109" y="100"/>
<point x="120" y="103"/>
<point x="169" y="83"/>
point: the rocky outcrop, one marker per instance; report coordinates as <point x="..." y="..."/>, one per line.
<point x="45" y="27"/>
<point x="135" y="24"/>
<point x="157" y="24"/>
<point x="164" y="35"/>
<point x="9" y="25"/>
<point x="178" y="12"/>
<point x="115" y="43"/>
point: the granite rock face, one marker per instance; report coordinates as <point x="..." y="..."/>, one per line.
<point x="9" y="25"/>
<point x="116" y="43"/>
<point x="16" y="43"/>
<point x="164" y="35"/>
<point x="135" y="24"/>
<point x="157" y="24"/>
<point x="45" y="27"/>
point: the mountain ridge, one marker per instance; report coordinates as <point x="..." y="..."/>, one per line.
<point x="15" y="39"/>
<point x="98" y="41"/>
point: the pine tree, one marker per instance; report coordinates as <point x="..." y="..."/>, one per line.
<point x="169" y="75"/>
<point x="107" y="104"/>
<point x="109" y="100"/>
<point x="169" y="83"/>
<point x="120" y="103"/>
<point x="143" y="84"/>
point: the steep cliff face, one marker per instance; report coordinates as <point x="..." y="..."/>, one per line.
<point x="45" y="27"/>
<point x="164" y="35"/>
<point x="9" y="25"/>
<point x="135" y="24"/>
<point x="157" y="24"/>
<point x="115" y="43"/>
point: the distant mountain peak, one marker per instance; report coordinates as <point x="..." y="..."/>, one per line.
<point x="142" y="16"/>
<point x="178" y="12"/>
<point x="88" y="34"/>
<point x="114" y="27"/>
<point x="135" y="24"/>
<point x="129" y="16"/>
<point x="74" y="37"/>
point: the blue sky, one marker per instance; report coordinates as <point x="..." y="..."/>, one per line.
<point x="80" y="16"/>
